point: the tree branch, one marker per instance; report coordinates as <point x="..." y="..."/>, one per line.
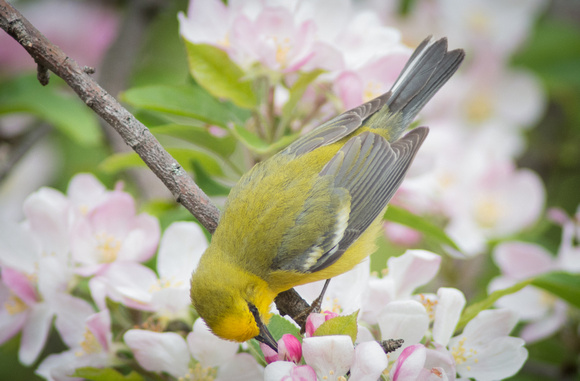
<point x="134" y="133"/>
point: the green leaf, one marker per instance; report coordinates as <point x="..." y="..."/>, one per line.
<point x="122" y="161"/>
<point x="471" y="311"/>
<point x="190" y="101"/>
<point x="106" y="374"/>
<point x="212" y="68"/>
<point x="65" y="112"/>
<point x="207" y="184"/>
<point x="278" y="326"/>
<point x="340" y="325"/>
<point x="257" y="145"/>
<point x="553" y="52"/>
<point x="404" y="217"/>
<point x="162" y="58"/>
<point x="561" y="284"/>
<point x="296" y="92"/>
<point x="200" y="136"/>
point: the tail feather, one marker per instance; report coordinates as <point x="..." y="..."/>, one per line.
<point x="429" y="67"/>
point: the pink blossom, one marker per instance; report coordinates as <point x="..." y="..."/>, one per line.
<point x="112" y="232"/>
<point x="488" y="25"/>
<point x="369" y="362"/>
<point x="289" y="349"/>
<point x="289" y="371"/>
<point x="502" y="202"/>
<point x="34" y="287"/>
<point x="484" y="350"/>
<point x="417" y="362"/>
<point x="315" y="320"/>
<point x="374" y="78"/>
<point x="401" y="235"/>
<point x="519" y="261"/>
<point x="90" y="346"/>
<point x="169" y="352"/>
<point x="269" y="34"/>
<point x="407" y="320"/>
<point x="405" y="273"/>
<point x="139" y="287"/>
<point x="330" y="356"/>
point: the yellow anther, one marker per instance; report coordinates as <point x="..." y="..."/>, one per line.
<point x="108" y="246"/>
<point x="14" y="305"/>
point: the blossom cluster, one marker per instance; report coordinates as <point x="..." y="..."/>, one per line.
<point x="389" y="308"/>
<point x="465" y="174"/>
<point x="74" y="252"/>
<point x="468" y="172"/>
<point x="92" y="239"/>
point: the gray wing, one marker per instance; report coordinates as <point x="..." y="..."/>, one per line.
<point x="364" y="174"/>
<point x="336" y="128"/>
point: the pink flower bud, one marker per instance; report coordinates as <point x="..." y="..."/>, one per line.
<point x="270" y="355"/>
<point x="315" y="320"/>
<point x="289" y="348"/>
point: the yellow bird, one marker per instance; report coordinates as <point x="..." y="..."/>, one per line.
<point x="313" y="210"/>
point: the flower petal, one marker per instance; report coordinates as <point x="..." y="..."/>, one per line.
<point x="369" y="362"/>
<point x="181" y="247"/>
<point x="242" y="367"/>
<point x="329" y="356"/>
<point x="207" y="348"/>
<point x="410" y="363"/>
<point x="159" y="352"/>
<point x="35" y="332"/>
<point x="449" y="306"/>
<point x="405" y="320"/>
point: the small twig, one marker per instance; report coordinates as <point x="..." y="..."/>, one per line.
<point x="291" y="303"/>
<point x="42" y="74"/>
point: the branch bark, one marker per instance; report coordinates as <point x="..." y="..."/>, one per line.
<point x="49" y="57"/>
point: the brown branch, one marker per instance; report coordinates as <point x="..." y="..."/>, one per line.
<point x="134" y="133"/>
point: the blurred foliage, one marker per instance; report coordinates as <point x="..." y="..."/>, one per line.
<point x="553" y="54"/>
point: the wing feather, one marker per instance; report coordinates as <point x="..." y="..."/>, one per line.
<point x="336" y="128"/>
<point x="363" y="176"/>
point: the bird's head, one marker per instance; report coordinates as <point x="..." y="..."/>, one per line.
<point x="233" y="303"/>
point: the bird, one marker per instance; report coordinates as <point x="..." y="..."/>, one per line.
<point x="313" y="210"/>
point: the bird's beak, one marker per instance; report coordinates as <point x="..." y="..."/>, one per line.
<point x="265" y="336"/>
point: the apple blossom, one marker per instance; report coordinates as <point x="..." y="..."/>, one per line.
<point x="288" y="371"/>
<point x="330" y="356"/>
<point x="419" y="363"/>
<point x="405" y="273"/>
<point x="484" y="350"/>
<point x="519" y="261"/>
<point x="171" y="353"/>
<point x="289" y="349"/>
<point x="90" y="345"/>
